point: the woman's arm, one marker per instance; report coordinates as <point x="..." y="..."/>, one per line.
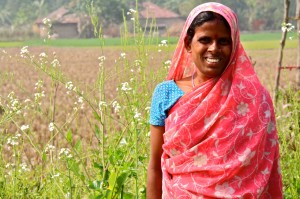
<point x="154" y="181"/>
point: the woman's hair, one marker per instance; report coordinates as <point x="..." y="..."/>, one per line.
<point x="200" y="19"/>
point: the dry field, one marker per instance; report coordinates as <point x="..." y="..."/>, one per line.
<point x="80" y="65"/>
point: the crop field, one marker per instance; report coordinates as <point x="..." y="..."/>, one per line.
<point x="74" y="120"/>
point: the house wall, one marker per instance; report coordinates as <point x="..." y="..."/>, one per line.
<point x="59" y="30"/>
<point x="65" y="30"/>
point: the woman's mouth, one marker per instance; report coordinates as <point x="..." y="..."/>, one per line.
<point x="212" y="60"/>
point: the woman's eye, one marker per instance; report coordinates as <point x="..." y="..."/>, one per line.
<point x="224" y="41"/>
<point x="204" y="40"/>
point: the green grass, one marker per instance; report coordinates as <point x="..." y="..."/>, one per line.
<point x="251" y="41"/>
<point x="11" y="44"/>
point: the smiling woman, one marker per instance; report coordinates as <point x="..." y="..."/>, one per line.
<point x="213" y="132"/>
<point x="210" y="46"/>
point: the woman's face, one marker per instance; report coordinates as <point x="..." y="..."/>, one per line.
<point x="210" y="49"/>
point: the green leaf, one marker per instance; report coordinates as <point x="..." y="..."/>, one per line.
<point x="127" y="195"/>
<point x="97" y="116"/>
<point x="44" y="156"/>
<point x="122" y="179"/>
<point x="97" y="131"/>
<point x="99" y="166"/>
<point x="112" y="180"/>
<point x="78" y="146"/>
<point x="69" y="136"/>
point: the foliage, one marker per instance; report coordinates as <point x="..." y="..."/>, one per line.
<point x="288" y="122"/>
<point x="248" y="11"/>
<point x="59" y="161"/>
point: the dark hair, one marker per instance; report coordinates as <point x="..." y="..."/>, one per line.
<point x="200" y="19"/>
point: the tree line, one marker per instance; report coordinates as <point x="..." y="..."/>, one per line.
<point x="252" y="14"/>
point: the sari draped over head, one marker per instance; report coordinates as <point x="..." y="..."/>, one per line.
<point x="220" y="140"/>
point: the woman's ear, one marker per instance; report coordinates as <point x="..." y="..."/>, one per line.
<point x="187" y="44"/>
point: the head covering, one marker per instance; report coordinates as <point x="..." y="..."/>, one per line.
<point x="181" y="65"/>
<point x="220" y="140"/>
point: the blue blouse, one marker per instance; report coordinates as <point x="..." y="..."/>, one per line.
<point x="164" y="97"/>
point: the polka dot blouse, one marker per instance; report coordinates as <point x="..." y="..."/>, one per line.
<point x="164" y="97"/>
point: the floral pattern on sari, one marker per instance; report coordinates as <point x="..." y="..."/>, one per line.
<point x="220" y="140"/>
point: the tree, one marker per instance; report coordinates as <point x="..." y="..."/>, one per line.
<point x="108" y="11"/>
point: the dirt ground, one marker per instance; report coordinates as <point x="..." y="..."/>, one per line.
<point x="81" y="65"/>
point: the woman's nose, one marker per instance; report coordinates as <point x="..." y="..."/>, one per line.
<point x="213" y="46"/>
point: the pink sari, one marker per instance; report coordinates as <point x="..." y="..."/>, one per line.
<point x="221" y="139"/>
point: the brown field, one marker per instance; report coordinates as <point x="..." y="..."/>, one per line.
<point x="80" y="65"/>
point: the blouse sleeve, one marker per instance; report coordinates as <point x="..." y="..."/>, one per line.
<point x="157" y="115"/>
<point x="164" y="97"/>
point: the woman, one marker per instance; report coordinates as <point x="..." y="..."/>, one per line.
<point x="213" y="132"/>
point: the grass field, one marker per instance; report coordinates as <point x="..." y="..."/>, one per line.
<point x="74" y="116"/>
<point x="252" y="41"/>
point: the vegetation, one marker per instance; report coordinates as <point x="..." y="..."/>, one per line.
<point x="251" y="41"/>
<point x="65" y="138"/>
<point x="16" y="21"/>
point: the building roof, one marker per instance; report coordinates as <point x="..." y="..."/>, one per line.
<point x="150" y="10"/>
<point x="61" y="15"/>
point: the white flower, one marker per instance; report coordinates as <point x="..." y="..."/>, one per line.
<point x="116" y="106"/>
<point x="65" y="152"/>
<point x="242" y="108"/>
<point x="132" y="19"/>
<point x="13" y="141"/>
<point x="24" y="51"/>
<point x="164" y="42"/>
<point x="101" y="105"/>
<point x="123" y="55"/>
<point x="123" y="142"/>
<point x="80" y="100"/>
<point x="125" y="87"/>
<point x="39" y="84"/>
<point x="168" y="62"/>
<point x="24" y="127"/>
<point x="24" y="167"/>
<point x="51" y="127"/>
<point x="287" y="27"/>
<point x="55" y="175"/>
<point x="137" y="115"/>
<point x="27" y="101"/>
<point x="55" y="63"/>
<point x="102" y="58"/>
<point x="38" y="96"/>
<point x="69" y="85"/>
<point x="43" y="55"/>
<point x="47" y="22"/>
<point x="49" y="148"/>
<point x="132" y="10"/>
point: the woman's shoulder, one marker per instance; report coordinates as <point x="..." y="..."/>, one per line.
<point x="166" y="84"/>
<point x="168" y="87"/>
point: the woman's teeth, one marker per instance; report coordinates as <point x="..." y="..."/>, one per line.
<point x="212" y="60"/>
